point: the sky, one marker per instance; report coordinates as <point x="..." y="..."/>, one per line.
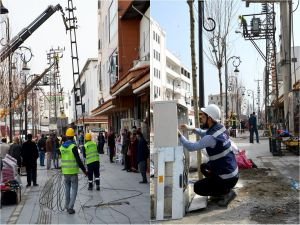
<point x="52" y="33"/>
<point x="173" y="16"/>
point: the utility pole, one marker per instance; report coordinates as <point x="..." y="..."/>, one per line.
<point x="285" y="56"/>
<point x="258" y="100"/>
<point x="53" y="55"/>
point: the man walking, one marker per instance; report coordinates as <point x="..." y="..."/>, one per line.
<point x="30" y="154"/>
<point x="91" y="154"/>
<point x="253" y="127"/>
<point x="70" y="163"/>
<point x="142" y="156"/>
<point x="49" y="150"/>
<point x="221" y="171"/>
<point x="42" y="149"/>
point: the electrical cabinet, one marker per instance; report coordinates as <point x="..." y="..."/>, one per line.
<point x="171" y="161"/>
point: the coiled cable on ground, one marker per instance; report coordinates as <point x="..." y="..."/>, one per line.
<point x="53" y="192"/>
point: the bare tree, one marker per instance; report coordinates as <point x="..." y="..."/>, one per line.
<point x="194" y="76"/>
<point x="223" y="12"/>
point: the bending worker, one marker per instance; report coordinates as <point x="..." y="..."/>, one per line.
<point x="91" y="154"/>
<point x="221" y="171"/>
<point x="70" y="163"/>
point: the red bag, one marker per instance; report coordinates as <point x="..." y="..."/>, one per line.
<point x="242" y="161"/>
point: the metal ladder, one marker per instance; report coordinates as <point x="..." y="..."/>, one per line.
<point x="72" y="26"/>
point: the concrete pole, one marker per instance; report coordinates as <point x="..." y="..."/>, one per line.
<point x="285" y="56"/>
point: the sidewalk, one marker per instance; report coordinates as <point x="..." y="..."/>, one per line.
<point x="121" y="200"/>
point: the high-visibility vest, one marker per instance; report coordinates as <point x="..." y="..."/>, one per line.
<point x="68" y="160"/>
<point x="91" y="152"/>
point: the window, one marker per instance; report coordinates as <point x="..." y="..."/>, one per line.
<point x="99" y="44"/>
<point x="83" y="108"/>
<point x="99" y="4"/>
<point x="156" y="91"/>
<point x="113" y="22"/>
<point x="83" y="89"/>
<point x="153" y="35"/>
<point x="100" y="78"/>
<point x="113" y="67"/>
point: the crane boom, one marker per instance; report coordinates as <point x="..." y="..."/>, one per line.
<point x="26" y="32"/>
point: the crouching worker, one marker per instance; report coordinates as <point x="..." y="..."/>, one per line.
<point x="91" y="154"/>
<point x="70" y="163"/>
<point x="221" y="171"/>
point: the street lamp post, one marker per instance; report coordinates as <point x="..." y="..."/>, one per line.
<point x="242" y="89"/>
<point x="236" y="63"/>
<point x="25" y="70"/>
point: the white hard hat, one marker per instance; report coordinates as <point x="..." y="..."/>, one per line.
<point x="213" y="111"/>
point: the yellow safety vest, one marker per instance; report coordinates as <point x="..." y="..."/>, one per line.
<point x="68" y="160"/>
<point x="91" y="152"/>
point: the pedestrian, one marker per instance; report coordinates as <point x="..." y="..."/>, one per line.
<point x="125" y="145"/>
<point x="101" y="142"/>
<point x="15" y="151"/>
<point x="4" y="148"/>
<point x="132" y="150"/>
<point x="91" y="154"/>
<point x="142" y="156"/>
<point x="55" y="151"/>
<point x="111" y="145"/>
<point x="30" y="154"/>
<point x="42" y="149"/>
<point x="49" y="150"/>
<point x="221" y="171"/>
<point x="70" y="163"/>
<point x="253" y="127"/>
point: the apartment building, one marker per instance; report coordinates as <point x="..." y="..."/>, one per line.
<point x="123" y="63"/>
<point x="170" y="79"/>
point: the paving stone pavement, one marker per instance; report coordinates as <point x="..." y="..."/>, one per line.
<point x="121" y="200"/>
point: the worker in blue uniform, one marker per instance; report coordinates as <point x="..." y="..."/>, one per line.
<point x="221" y="171"/>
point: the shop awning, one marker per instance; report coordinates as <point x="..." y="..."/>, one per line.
<point x="124" y="85"/>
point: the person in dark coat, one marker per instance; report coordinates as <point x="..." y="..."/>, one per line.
<point x="142" y="156"/>
<point x="15" y="151"/>
<point x="30" y="154"/>
<point x="253" y="127"/>
<point x="111" y="145"/>
<point x="132" y="149"/>
<point x="42" y="149"/>
<point x="101" y="142"/>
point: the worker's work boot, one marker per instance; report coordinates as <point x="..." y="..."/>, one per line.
<point x="98" y="188"/>
<point x="90" y="188"/>
<point x="227" y="198"/>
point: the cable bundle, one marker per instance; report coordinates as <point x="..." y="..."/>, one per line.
<point x="53" y="193"/>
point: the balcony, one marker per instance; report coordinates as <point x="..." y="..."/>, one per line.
<point x="172" y="73"/>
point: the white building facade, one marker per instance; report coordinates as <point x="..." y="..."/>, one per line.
<point x="170" y="79"/>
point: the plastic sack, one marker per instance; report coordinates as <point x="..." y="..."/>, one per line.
<point x="242" y="161"/>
